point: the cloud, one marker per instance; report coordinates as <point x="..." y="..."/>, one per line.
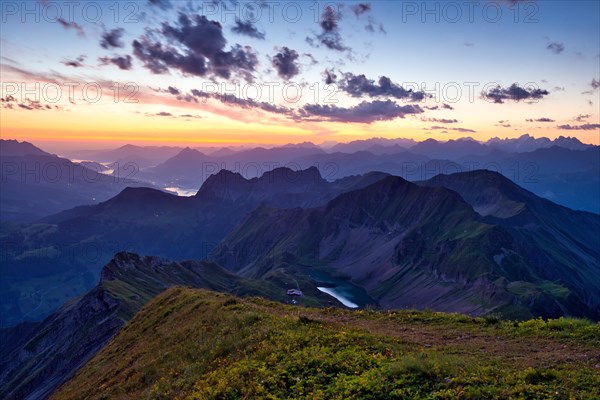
<point x="359" y="86"/>
<point x="361" y="8"/>
<point x="364" y="113"/>
<point x="445" y="128"/>
<point x="248" y="29"/>
<point x="469" y="44"/>
<point x="123" y="62"/>
<point x="556" y="47"/>
<point x="76" y="63"/>
<point x="514" y="92"/>
<point x="313" y="60"/>
<point x="12" y="103"/>
<point x="584" y="127"/>
<point x="239" y="102"/>
<point x="543" y="119"/>
<point x="285" y="62"/>
<point x="330" y="35"/>
<point x="196" y="46"/>
<point x="582" y="117"/>
<point x="447" y="106"/>
<point x="173" y="90"/>
<point x="329" y="76"/>
<point x="595" y="84"/>
<point x="443" y="120"/>
<point x="112" y="38"/>
<point x="72" y="25"/>
<point x="162" y="4"/>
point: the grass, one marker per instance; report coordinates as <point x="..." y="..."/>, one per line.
<point x="196" y="344"/>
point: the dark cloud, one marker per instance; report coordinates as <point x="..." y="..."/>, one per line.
<point x="248" y="29"/>
<point x="364" y="113"/>
<point x="163" y="114"/>
<point x="76" y="63"/>
<point x="112" y="38"/>
<point x="196" y="47"/>
<point x="447" y="106"/>
<point x="595" y="84"/>
<point x="584" y="127"/>
<point x="514" y="92"/>
<point x="162" y="4"/>
<point x="582" y="117"/>
<point x="361" y="8"/>
<point x="329" y="76"/>
<point x="72" y="25"/>
<point x="123" y="62"/>
<point x="173" y="90"/>
<point x="359" y="86"/>
<point x="285" y="62"/>
<point x="543" y="119"/>
<point x="555" y="47"/>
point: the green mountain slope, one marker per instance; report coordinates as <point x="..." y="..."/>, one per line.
<point x="37" y="359"/>
<point x="195" y="344"/>
<point x="421" y="246"/>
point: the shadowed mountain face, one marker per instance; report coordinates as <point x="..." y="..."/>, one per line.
<point x="419" y="246"/>
<point x="40" y="357"/>
<point x="67" y="250"/>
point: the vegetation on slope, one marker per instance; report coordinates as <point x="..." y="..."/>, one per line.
<point x="196" y="344"/>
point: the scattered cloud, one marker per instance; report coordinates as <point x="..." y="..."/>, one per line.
<point x="123" y="62"/>
<point x="10" y="102"/>
<point x="112" y="39"/>
<point x="72" y="25"/>
<point x="361" y="8"/>
<point x="359" y="86"/>
<point x="76" y="63"/>
<point x="445" y="128"/>
<point x="543" y="119"/>
<point x="365" y="112"/>
<point x="162" y="4"/>
<point x="330" y="36"/>
<point x="582" y="117"/>
<point x="556" y="47"/>
<point x="469" y="44"/>
<point x="595" y="83"/>
<point x="195" y="46"/>
<point x="285" y="63"/>
<point x="239" y="102"/>
<point x="584" y="127"/>
<point x="247" y="28"/>
<point x="443" y="120"/>
<point x="329" y="76"/>
<point x="514" y="92"/>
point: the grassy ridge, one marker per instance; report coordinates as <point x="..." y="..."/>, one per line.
<point x="196" y="344"/>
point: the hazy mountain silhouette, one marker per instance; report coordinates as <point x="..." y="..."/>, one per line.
<point x="69" y="248"/>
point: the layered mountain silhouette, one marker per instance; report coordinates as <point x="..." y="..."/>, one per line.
<point x="68" y="249"/>
<point x="36" y="184"/>
<point x="493" y="247"/>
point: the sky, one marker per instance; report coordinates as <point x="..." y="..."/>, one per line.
<point x="95" y="73"/>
